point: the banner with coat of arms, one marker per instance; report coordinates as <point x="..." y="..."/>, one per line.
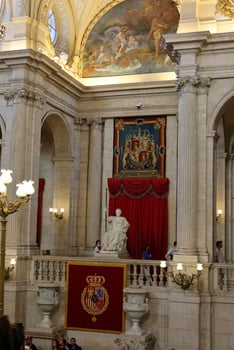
<point x="94" y="300"/>
<point x="140" y="147"/>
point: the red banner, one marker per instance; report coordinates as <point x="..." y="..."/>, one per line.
<point x="95" y="297"/>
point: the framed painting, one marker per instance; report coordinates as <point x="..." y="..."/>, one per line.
<point x="139" y="147"/>
<point x="94" y="295"/>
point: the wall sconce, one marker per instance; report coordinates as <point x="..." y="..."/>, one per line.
<point x="219" y="215"/>
<point x="57" y="214"/>
<point x="182" y="279"/>
<point x="9" y="269"/>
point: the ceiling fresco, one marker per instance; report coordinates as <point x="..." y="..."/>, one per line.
<point x="126" y="39"/>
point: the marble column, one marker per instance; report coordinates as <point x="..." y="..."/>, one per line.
<point x="229" y="247"/>
<point x="220" y="198"/>
<point x="94" y="182"/>
<point x="21" y="153"/>
<point x="212" y="138"/>
<point x="202" y="113"/>
<point x="188" y="150"/>
<point x="75" y="240"/>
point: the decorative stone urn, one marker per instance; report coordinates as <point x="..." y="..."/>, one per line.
<point x="47" y="300"/>
<point x="136" y="305"/>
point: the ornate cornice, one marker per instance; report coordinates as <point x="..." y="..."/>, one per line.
<point x="18" y="95"/>
<point x="169" y="49"/>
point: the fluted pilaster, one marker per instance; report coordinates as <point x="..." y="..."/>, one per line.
<point x="94" y="182"/>
<point x="187" y="164"/>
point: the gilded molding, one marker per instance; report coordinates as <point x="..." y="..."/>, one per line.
<point x="226" y="8"/>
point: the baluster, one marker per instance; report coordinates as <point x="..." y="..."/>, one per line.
<point x="147" y="275"/>
<point x="42" y="270"/>
<point x="154" y="275"/>
<point x="56" y="271"/>
<point x="221" y="278"/>
<point x="51" y="275"/>
<point x="36" y="268"/>
<point x="141" y="277"/>
<point x="161" y="276"/>
<point x="64" y="270"/>
<point x="46" y="270"/>
<point x="134" y="275"/>
<point x="128" y="277"/>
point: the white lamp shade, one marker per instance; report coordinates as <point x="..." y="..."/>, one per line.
<point x="199" y="267"/>
<point x="25" y="188"/>
<point x="6" y="177"/>
<point x="29" y="187"/>
<point x="21" y="190"/>
<point x="179" y="266"/>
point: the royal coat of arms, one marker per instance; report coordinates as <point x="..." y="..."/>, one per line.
<point x="94" y="297"/>
<point x="139" y="147"/>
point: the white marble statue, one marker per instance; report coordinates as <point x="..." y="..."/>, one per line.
<point x="115" y="239"/>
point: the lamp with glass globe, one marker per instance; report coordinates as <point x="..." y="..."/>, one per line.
<point x="24" y="191"/>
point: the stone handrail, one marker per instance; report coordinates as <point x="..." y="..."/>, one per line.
<point x="139" y="272"/>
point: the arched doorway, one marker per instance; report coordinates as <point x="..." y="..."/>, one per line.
<point x="55" y="172"/>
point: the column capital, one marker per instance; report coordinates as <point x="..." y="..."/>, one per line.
<point x="191" y="84"/>
<point x="13" y="96"/>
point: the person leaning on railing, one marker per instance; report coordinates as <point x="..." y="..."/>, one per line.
<point x="169" y="254"/>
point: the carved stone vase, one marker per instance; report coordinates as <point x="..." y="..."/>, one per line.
<point x="47" y="300"/>
<point x="136" y="305"/>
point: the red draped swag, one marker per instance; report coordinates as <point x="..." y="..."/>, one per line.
<point x="144" y="203"/>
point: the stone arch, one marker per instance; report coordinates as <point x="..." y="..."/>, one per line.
<point x="219" y="108"/>
<point x="223" y="124"/>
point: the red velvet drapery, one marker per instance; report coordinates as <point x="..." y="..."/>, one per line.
<point x="144" y="203"/>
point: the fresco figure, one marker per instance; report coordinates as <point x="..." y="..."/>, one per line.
<point x="127" y="39"/>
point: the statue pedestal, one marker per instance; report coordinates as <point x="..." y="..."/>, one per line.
<point x="125" y="342"/>
<point x="113" y="254"/>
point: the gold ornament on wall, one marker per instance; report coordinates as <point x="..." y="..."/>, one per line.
<point x="226" y="8"/>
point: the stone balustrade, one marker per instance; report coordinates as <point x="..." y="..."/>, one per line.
<point x="139" y="272"/>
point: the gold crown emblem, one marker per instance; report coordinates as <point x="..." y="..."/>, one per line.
<point x="95" y="279"/>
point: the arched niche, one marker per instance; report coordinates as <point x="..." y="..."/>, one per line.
<point x="55" y="172"/>
<point x="224" y="179"/>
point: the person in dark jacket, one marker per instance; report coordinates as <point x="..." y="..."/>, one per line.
<point x="11" y="336"/>
<point x="72" y="345"/>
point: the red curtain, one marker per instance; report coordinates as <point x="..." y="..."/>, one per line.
<point x="144" y="203"/>
<point x="39" y="210"/>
